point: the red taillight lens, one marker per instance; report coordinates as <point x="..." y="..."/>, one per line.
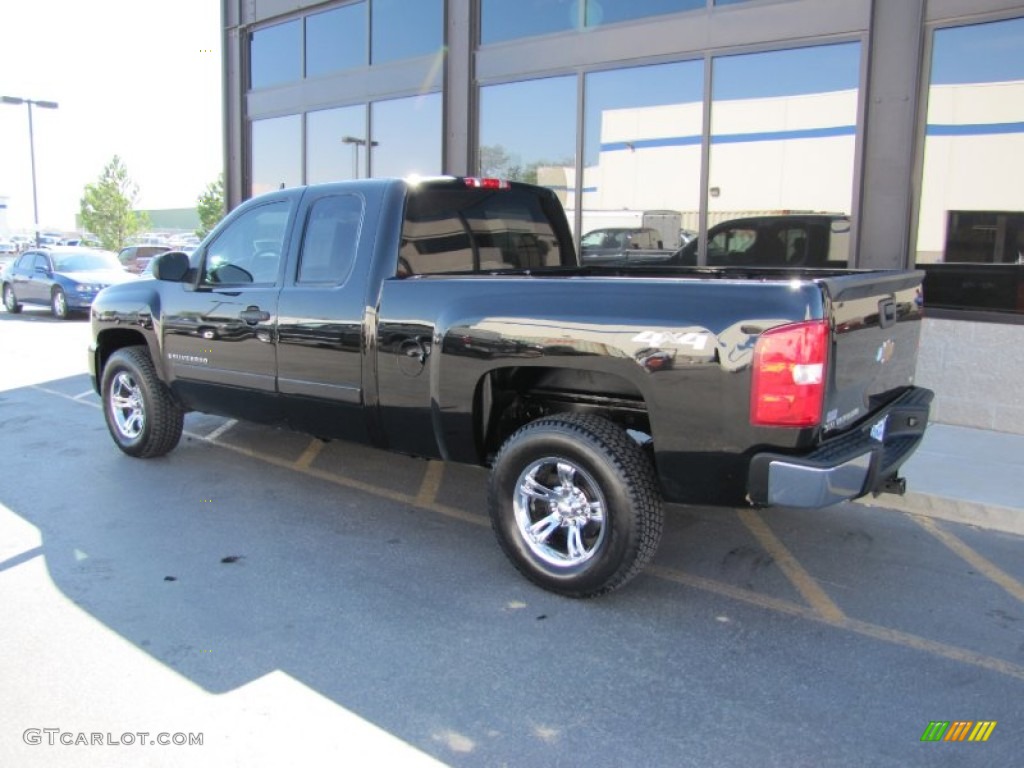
<point x="789" y="375"/>
<point x="479" y="183"/>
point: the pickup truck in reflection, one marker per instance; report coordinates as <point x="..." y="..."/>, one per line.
<point x="451" y="319"/>
<point x="770" y="240"/>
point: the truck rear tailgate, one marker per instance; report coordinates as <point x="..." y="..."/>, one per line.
<point x="873" y="415"/>
<point x="877" y="327"/>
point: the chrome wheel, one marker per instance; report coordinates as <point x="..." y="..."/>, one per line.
<point x="126" y="405"/>
<point x="60" y="304"/>
<point x="560" y="512"/>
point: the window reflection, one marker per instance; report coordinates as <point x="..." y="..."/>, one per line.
<point x="511" y="146"/>
<point x="504" y="20"/>
<point x="336" y="40"/>
<point x="611" y="11"/>
<point x="406" y="136"/>
<point x="402" y="29"/>
<point x="783" y="134"/>
<point x="328" y="156"/>
<point x="972" y="197"/>
<point x="641" y="158"/>
<point x="275" y="55"/>
<point x="276" y="153"/>
<point x="970" y="236"/>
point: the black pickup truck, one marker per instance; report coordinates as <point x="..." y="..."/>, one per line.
<point x="449" y="318"/>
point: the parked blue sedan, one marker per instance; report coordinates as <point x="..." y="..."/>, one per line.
<point x="66" y="279"/>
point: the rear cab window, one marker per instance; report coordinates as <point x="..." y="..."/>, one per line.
<point x="452" y="227"/>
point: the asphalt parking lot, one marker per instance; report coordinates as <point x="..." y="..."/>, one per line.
<point x="302" y="603"/>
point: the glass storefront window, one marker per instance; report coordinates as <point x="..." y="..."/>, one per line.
<point x="528" y="132"/>
<point x="970" y="236"/>
<point x="611" y="11"/>
<point x="641" y="158"/>
<point x="406" y="136"/>
<point x="276" y="153"/>
<point x="336" y="40"/>
<point x="783" y="143"/>
<point x="506" y="20"/>
<point x="275" y="55"/>
<point x="402" y="29"/>
<point x="510" y="19"/>
<point x="329" y="157"/>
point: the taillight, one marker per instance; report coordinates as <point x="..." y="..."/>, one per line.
<point x="479" y="183"/>
<point x="789" y="375"/>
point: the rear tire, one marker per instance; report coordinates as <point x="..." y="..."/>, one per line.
<point x="574" y="504"/>
<point x="143" y="418"/>
<point x="10" y="302"/>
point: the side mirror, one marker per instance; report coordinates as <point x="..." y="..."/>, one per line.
<point x="171" y="266"/>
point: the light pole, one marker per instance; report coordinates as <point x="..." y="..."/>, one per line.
<point x="31" y="149"/>
<point x="356" y="143"/>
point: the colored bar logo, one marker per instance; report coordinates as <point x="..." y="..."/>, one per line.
<point x="958" y="730"/>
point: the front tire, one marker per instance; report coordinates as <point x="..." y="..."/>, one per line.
<point x="574" y="504"/>
<point x="10" y="301"/>
<point x="142" y="417"/>
<point x="59" y="304"/>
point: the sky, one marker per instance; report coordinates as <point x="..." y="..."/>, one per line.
<point x="137" y="78"/>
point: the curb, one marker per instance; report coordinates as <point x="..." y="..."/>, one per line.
<point x="988" y="516"/>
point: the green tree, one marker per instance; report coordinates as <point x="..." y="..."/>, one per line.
<point x="106" y="207"/>
<point x="210" y="206"/>
<point x="497" y="161"/>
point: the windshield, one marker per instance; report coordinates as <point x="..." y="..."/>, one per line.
<point x="85" y="261"/>
<point x="604" y="238"/>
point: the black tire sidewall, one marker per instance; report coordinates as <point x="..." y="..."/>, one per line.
<point x="592" y="576"/>
<point x="10" y="305"/>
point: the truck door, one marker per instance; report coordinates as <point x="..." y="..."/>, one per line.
<point x="320" y="338"/>
<point x="219" y="334"/>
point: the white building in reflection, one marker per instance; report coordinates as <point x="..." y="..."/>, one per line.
<point x="797" y="153"/>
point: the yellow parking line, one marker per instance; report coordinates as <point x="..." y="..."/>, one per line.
<point x="309" y="455"/>
<point x="874" y="631"/>
<point x="797" y="575"/>
<point x="431" y="483"/>
<point x="822" y="609"/>
<point x="212" y="437"/>
<point x="73" y="399"/>
<point x="990" y="570"/>
<point x="347" y="482"/>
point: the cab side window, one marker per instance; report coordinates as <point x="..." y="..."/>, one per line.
<point x="330" y="239"/>
<point x="250" y="250"/>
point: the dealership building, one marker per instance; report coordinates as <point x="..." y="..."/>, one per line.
<point x="906" y="117"/>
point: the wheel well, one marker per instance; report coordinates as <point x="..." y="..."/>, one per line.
<point x="113" y="340"/>
<point x="508" y="398"/>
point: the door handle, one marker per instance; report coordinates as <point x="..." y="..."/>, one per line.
<point x="253" y="315"/>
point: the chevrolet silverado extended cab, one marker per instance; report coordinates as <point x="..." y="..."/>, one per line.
<point x="450" y="319"/>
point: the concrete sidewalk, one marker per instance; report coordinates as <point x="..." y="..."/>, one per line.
<point x="965" y="475"/>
